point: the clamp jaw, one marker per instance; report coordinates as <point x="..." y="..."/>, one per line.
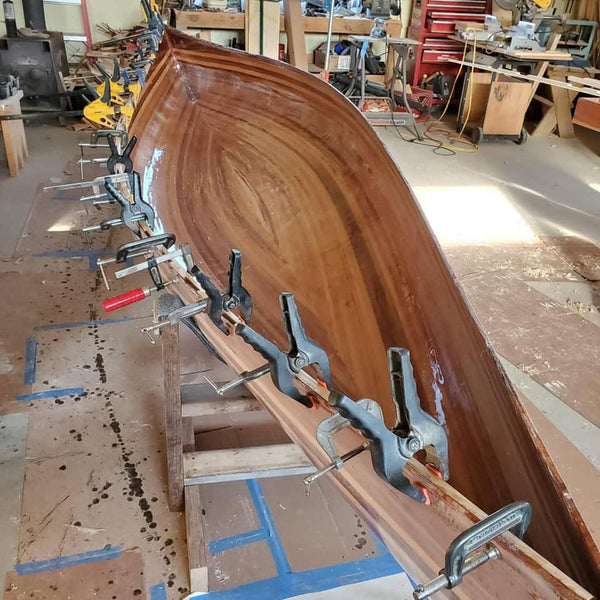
<point x="132" y="212"/>
<point x="235" y="296"/>
<point x="303" y="352"/>
<point x="416" y="430"/>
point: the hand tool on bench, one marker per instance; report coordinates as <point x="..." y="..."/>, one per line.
<point x="461" y="556"/>
<point x="134" y="249"/>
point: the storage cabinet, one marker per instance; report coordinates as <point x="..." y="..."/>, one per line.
<point x="431" y="23"/>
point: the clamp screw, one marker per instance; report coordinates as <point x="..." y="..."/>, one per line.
<point x="299" y="362"/>
<point x="414" y="444"/>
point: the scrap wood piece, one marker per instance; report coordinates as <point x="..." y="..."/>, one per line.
<point x="294" y="27"/>
<point x="587" y="113"/>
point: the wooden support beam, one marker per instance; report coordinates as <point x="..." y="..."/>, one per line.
<point x="206" y="408"/>
<point x="294" y="27"/>
<point x="235" y="21"/>
<point x="270" y="27"/>
<point x="233" y="464"/>
<point x="173" y="419"/>
<point x="195" y="540"/>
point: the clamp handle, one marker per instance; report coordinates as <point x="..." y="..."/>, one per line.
<point x="236" y="295"/>
<point x="139" y="204"/>
<point x="93" y="92"/>
<point x="413" y="422"/>
<point x="126" y="81"/>
<point x="515" y="517"/>
<point x="120" y="158"/>
<point x="282" y="376"/>
<point x="303" y="352"/>
<point x="116" y="71"/>
<point x="107" y="95"/>
<point x="124" y="299"/>
<point x="162" y="239"/>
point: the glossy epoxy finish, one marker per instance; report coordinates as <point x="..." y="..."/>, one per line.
<point x="238" y="151"/>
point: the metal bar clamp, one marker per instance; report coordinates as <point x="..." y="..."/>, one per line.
<point x="461" y="557"/>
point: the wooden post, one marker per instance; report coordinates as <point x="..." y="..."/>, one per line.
<point x="13" y="133"/>
<point x="173" y="419"/>
<point x="195" y="540"/>
<point x="294" y="28"/>
<point x="270" y="27"/>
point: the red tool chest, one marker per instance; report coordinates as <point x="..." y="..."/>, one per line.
<point x="431" y="23"/>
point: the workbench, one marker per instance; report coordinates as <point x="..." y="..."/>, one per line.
<point x="188" y="19"/>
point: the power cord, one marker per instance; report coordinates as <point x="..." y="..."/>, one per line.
<point x="440" y="148"/>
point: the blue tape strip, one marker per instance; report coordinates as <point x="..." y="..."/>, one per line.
<point x="63" y="562"/>
<point x="235" y="541"/>
<point x="50" y="394"/>
<point x="91" y="255"/>
<point x="30" y="361"/>
<point x="268" y="525"/>
<point x="158" y="592"/>
<point x="315" y="580"/>
<point x="83" y="324"/>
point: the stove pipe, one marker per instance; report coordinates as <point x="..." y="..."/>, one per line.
<point x="34" y="14"/>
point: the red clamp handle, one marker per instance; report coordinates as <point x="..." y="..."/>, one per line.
<point x="125" y="299"/>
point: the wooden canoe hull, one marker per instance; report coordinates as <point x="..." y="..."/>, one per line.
<point x="240" y="151"/>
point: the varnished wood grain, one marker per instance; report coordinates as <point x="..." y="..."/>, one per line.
<point x="239" y="151"/>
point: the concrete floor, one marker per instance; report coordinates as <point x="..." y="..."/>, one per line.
<point x="519" y="226"/>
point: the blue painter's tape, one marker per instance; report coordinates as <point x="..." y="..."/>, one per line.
<point x="158" y="592"/>
<point x="268" y="525"/>
<point x="50" y="394"/>
<point x="315" y="580"/>
<point x="235" y="541"/>
<point x="83" y="324"/>
<point x="30" y="361"/>
<point x="91" y="255"/>
<point x="62" y="562"/>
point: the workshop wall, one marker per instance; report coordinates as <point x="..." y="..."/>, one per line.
<point x="67" y="18"/>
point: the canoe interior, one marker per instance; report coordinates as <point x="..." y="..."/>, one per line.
<point x="237" y="151"/>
